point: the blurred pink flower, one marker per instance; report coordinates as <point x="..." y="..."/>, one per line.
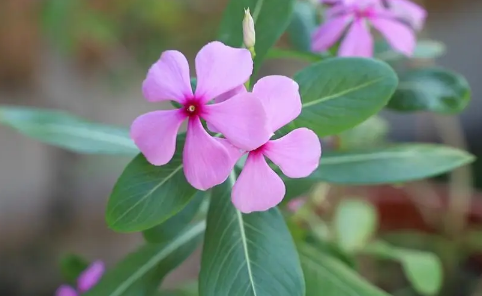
<point x="358" y="16"/>
<point x="241" y="119"/>
<point x="87" y="279"/>
<point x="258" y="187"/>
<point x="296" y="203"/>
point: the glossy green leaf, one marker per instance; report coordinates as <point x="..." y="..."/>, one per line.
<point x="326" y="276"/>
<point x="423" y="269"/>
<point x="278" y="53"/>
<point x="370" y="133"/>
<point x="392" y="164"/>
<point x="340" y="93"/>
<point x="174" y="225"/>
<point x="147" y="265"/>
<point x="71" y="266"/>
<point x="251" y="254"/>
<point x="146" y="195"/>
<point x="354" y="223"/>
<point x="271" y="18"/>
<point x="302" y="25"/>
<point x="431" y="89"/>
<point x="67" y="131"/>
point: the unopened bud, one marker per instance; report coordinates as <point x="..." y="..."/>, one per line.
<point x="249" y="35"/>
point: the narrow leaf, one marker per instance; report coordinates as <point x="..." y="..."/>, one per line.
<point x="392" y="164"/>
<point x="67" y="131"/>
<point x="249" y="254"/>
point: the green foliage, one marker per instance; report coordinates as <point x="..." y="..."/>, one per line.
<point x="146" y="195"/>
<point x="303" y="24"/>
<point x="431" y="89"/>
<point x="67" y="131"/>
<point x="141" y="272"/>
<point x="340" y="93"/>
<point x="71" y="266"/>
<point x="251" y="254"/>
<point x="354" y="224"/>
<point x="422" y="269"/>
<point x="325" y="275"/>
<point x="392" y="164"/>
<point x="271" y="18"/>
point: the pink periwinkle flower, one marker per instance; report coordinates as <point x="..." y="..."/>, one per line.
<point x="359" y="16"/>
<point x="87" y="279"/>
<point x="258" y="187"/>
<point x="242" y="120"/>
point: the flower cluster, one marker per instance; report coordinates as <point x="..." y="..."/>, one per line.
<point x="245" y="120"/>
<point x="87" y="279"/>
<point x="396" y="23"/>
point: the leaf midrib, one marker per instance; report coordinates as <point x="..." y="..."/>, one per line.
<point x="344" y="92"/>
<point x="163" y="253"/>
<point x="246" y="251"/>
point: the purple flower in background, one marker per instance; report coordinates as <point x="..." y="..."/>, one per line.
<point x="358" y="17"/>
<point x="87" y="279"/>
<point x="408" y="11"/>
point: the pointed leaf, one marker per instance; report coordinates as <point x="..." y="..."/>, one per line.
<point x="249" y="254"/>
<point x="67" y="131"/>
<point x="340" y="93"/>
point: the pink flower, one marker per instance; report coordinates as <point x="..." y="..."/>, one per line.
<point x="258" y="187"/>
<point x="87" y="279"/>
<point x="242" y="119"/>
<point x="409" y="11"/>
<point x="359" y="16"/>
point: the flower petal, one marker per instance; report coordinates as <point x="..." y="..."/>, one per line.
<point x="281" y="99"/>
<point x="297" y="154"/>
<point x="91" y="276"/>
<point x="221" y="68"/>
<point x="233" y="152"/>
<point x="242" y="120"/>
<point x="207" y="162"/>
<point x="223" y="97"/>
<point x="358" y="41"/>
<point x="155" y="133"/>
<point x="409" y="11"/>
<point x="329" y="33"/>
<point x="65" y="290"/>
<point x="168" y="79"/>
<point x="258" y="187"/>
<point x="398" y="35"/>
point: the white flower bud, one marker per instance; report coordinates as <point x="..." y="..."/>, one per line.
<point x="249" y="35"/>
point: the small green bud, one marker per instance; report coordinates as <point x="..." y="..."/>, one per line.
<point x="249" y="35"/>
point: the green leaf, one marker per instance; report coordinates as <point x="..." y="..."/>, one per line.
<point x="392" y="164"/>
<point x="271" y="18"/>
<point x="340" y="93"/>
<point x="425" y="49"/>
<point x="354" y="223"/>
<point x="278" y="53"/>
<point x="146" y="195"/>
<point x="67" y="131"/>
<point x="251" y="254"/>
<point x="174" y="225"/>
<point x="423" y="269"/>
<point x="71" y="266"/>
<point x="149" y="264"/>
<point x="302" y="25"/>
<point x="327" y="276"/>
<point x="370" y="133"/>
<point x="431" y="89"/>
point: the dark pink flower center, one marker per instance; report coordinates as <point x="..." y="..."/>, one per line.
<point x="366" y="12"/>
<point x="192" y="107"/>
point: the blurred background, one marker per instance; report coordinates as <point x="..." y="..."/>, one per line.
<point x="89" y="58"/>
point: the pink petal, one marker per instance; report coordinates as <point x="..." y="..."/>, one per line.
<point x="223" y="97"/>
<point x="91" y="276"/>
<point x="358" y="41"/>
<point x="297" y="154"/>
<point x="281" y="99"/>
<point x="258" y="187"/>
<point x="168" y="79"/>
<point x="327" y="34"/>
<point x="410" y="11"/>
<point x="207" y="162"/>
<point x="155" y="133"/>
<point x="65" y="290"/>
<point x="398" y="35"/>
<point x="241" y="119"/>
<point x="221" y="68"/>
<point x="233" y="152"/>
<point x="338" y="10"/>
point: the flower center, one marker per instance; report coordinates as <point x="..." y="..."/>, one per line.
<point x="192" y="108"/>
